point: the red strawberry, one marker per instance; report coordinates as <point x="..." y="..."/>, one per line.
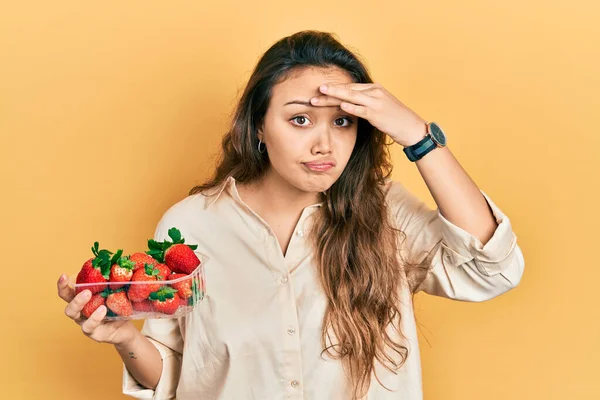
<point x="165" y="300"/>
<point x="165" y="272"/>
<point x="118" y="303"/>
<point x="142" y="306"/>
<point x="92" y="305"/>
<point x="184" y="286"/>
<point x="96" y="269"/>
<point x="178" y="256"/>
<point x="122" y="271"/>
<point x="140" y="259"/>
<point x="141" y="291"/>
<point x="181" y="259"/>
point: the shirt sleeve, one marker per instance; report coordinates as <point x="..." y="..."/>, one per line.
<point x="165" y="335"/>
<point x="458" y="265"/>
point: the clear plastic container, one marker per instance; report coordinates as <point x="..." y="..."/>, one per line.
<point x="149" y="308"/>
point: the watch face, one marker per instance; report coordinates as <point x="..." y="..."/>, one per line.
<point x="437" y="133"/>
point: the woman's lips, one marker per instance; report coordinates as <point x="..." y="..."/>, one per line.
<point x="319" y="167"/>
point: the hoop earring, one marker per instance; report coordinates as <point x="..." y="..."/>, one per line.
<point x="259" y="143"/>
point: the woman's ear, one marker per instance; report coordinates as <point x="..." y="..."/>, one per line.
<point x="260" y="135"/>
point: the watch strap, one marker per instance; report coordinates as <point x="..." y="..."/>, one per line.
<point x="420" y="149"/>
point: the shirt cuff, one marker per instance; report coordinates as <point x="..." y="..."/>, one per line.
<point x="169" y="378"/>
<point x="490" y="259"/>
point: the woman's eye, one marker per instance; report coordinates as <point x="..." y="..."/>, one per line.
<point x="301" y="119"/>
<point x="350" y="122"/>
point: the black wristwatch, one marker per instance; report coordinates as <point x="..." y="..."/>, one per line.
<point x="434" y="138"/>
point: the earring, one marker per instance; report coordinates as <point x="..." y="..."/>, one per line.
<point x="259" y="143"/>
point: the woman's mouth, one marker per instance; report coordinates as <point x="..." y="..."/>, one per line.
<point x="319" y="167"/>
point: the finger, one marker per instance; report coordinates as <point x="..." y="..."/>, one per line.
<point x="94" y="321"/>
<point x="360" y="86"/>
<point x="65" y="292"/>
<point x="325" y="101"/>
<point x="359" y="111"/>
<point x="348" y="95"/>
<point x="73" y="309"/>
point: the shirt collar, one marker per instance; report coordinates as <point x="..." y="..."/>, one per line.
<point x="229" y="184"/>
<point x="216" y="192"/>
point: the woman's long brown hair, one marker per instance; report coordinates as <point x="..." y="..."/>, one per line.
<point x="356" y="244"/>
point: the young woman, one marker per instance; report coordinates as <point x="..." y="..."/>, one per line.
<point x="315" y="254"/>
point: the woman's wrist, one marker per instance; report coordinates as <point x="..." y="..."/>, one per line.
<point x="130" y="335"/>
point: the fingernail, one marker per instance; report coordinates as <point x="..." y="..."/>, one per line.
<point x="315" y="100"/>
<point x="62" y="278"/>
<point x="323" y="88"/>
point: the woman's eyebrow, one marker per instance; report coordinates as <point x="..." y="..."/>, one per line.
<point x="304" y="103"/>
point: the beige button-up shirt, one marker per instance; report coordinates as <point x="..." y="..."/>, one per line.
<point x="257" y="333"/>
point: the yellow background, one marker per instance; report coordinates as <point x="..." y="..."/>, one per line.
<point x="111" y="111"/>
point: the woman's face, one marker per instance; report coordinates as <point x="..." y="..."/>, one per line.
<point x="299" y="134"/>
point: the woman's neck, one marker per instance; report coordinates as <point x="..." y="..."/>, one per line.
<point x="275" y="195"/>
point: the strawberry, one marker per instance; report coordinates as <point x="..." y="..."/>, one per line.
<point x="141" y="291"/>
<point x="118" y="303"/>
<point x="92" y="305"/>
<point x="96" y="269"/>
<point x="165" y="271"/>
<point x="140" y="259"/>
<point x="165" y="300"/>
<point x="184" y="286"/>
<point x="181" y="259"/>
<point x="122" y="271"/>
<point x="178" y="256"/>
<point x="142" y="306"/>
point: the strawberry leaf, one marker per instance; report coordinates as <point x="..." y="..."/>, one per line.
<point x="193" y="246"/>
<point x="175" y="234"/>
<point x="116" y="257"/>
<point x="156" y="254"/>
<point x="126" y="263"/>
<point x="105" y="270"/>
<point x="104" y="253"/>
<point x="154" y="245"/>
<point x="95" y="248"/>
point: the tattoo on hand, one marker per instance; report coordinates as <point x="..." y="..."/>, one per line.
<point x="131" y="355"/>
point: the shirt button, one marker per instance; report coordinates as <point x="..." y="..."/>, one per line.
<point x="284" y="279"/>
<point x="291" y="331"/>
<point x="300" y="233"/>
<point x="294" y="383"/>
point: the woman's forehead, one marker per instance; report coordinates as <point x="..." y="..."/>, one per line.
<point x="305" y="84"/>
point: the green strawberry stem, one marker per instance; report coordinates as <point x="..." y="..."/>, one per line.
<point x="107" y="291"/>
<point x="163" y="294"/>
<point x="152" y="271"/>
<point x="102" y="260"/>
<point x="125" y="262"/>
<point x="157" y="249"/>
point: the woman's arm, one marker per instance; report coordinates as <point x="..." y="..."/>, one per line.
<point x="142" y="359"/>
<point x="458" y="198"/>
